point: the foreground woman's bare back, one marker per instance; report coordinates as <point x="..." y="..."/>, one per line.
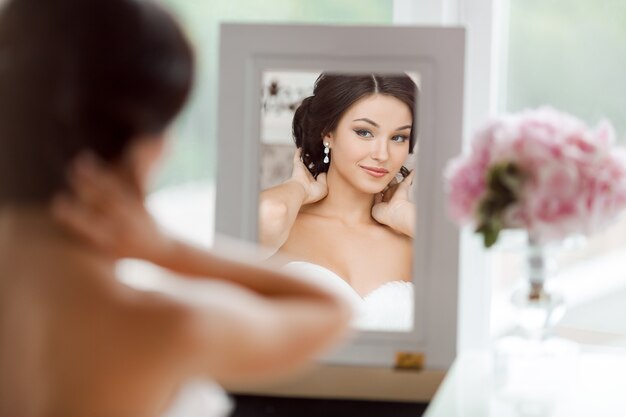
<point x="67" y="345"/>
<point x="74" y="341"/>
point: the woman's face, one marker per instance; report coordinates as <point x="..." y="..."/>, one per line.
<point x="371" y="142"/>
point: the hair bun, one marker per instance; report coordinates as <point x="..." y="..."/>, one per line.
<point x="300" y="121"/>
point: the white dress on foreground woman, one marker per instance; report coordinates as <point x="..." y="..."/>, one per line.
<point x="388" y="307"/>
<point x="200" y="399"/>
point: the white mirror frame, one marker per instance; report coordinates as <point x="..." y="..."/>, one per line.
<point x="437" y="54"/>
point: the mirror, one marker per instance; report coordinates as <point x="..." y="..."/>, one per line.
<point x="266" y="71"/>
<point x="338" y="214"/>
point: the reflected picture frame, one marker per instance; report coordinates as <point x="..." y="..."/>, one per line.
<point x="437" y="55"/>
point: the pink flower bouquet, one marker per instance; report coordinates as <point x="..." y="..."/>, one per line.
<point x="540" y="170"/>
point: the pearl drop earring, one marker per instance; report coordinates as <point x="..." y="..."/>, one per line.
<point x="326" y="152"/>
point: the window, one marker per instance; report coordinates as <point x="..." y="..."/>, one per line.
<point x="570" y="55"/>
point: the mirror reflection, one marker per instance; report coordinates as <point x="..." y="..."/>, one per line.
<point x="336" y="183"/>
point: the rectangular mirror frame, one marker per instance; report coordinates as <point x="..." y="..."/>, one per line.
<point x="437" y="54"/>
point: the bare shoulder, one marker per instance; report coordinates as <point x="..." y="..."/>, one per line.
<point x="392" y="236"/>
<point x="308" y="235"/>
<point x="397" y="245"/>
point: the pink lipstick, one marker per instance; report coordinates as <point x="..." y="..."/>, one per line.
<point x="374" y="171"/>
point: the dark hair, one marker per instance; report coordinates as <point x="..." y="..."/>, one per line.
<point x="81" y="75"/>
<point x="333" y="94"/>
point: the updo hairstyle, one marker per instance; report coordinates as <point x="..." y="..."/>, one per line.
<point x="333" y="94"/>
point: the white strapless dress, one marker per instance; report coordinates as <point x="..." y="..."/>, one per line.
<point x="200" y="399"/>
<point x="387" y="308"/>
<point x="196" y="398"/>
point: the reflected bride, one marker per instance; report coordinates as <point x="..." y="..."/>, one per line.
<point x="344" y="218"/>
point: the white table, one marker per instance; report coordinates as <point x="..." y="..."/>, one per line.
<point x="597" y="389"/>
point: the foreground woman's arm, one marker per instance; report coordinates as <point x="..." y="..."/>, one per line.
<point x="247" y="322"/>
<point x="105" y="212"/>
<point x="234" y="334"/>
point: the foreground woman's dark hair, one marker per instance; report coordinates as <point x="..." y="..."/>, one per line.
<point x="82" y="75"/>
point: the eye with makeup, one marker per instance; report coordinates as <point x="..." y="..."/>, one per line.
<point x="364" y="133"/>
<point x="399" y="138"/>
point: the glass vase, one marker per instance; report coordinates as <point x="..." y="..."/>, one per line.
<point x="537" y="309"/>
<point x="532" y="366"/>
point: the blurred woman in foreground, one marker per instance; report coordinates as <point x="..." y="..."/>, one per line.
<point x="105" y="78"/>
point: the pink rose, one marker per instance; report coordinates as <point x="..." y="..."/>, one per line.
<point x="466" y="185"/>
<point x="574" y="180"/>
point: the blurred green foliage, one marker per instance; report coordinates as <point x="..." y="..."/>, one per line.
<point x="570" y="54"/>
<point x="194" y="143"/>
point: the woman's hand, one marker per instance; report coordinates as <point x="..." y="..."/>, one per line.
<point x="106" y="212"/>
<point x="393" y="207"/>
<point x="315" y="189"/>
